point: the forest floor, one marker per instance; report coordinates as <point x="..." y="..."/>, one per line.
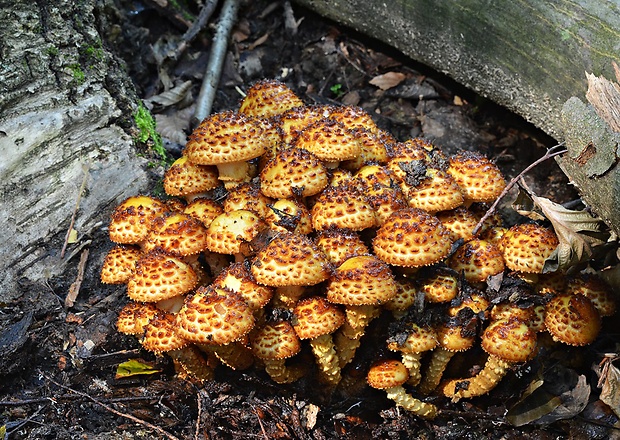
<point x="60" y="363"/>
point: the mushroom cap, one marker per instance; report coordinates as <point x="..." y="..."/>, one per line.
<point x="408" y="159"/>
<point x="361" y="280"/>
<point x="406" y="295"/>
<point x="214" y="316"/>
<point x="289" y="215"/>
<point x="185" y="178"/>
<point x="329" y="140"/>
<point x="509" y="310"/>
<point x="204" y="210"/>
<point x="276" y="340"/>
<point x="160" y="334"/>
<point x="383" y="195"/>
<point x="373" y="149"/>
<point x="387" y="374"/>
<point x="228" y="231"/>
<point x="419" y="340"/>
<point x="177" y="234"/>
<point x="352" y="117"/>
<point x="527" y="246"/>
<point x="477" y="260"/>
<point x="159" y="276"/>
<point x="267" y="98"/>
<point x="459" y="222"/>
<point x="293" y="172"/>
<point x="247" y="196"/>
<point x="451" y="338"/>
<point x="572" y="319"/>
<point x="293" y="121"/>
<point x="343" y="207"/>
<point x="511" y="340"/>
<point x="316" y="316"/>
<point x="340" y="244"/>
<point x="439" y="286"/>
<point x="119" y="264"/>
<point x="436" y="192"/>
<point x="290" y="260"/>
<point x="238" y="278"/>
<point x="134" y="316"/>
<point x="475" y="301"/>
<point x="412" y="238"/>
<point x="226" y="137"/>
<point x="596" y="290"/>
<point x="478" y="177"/>
<point x="131" y="220"/>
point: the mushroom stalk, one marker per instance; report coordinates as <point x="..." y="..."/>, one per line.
<point x="483" y="382"/>
<point x="436" y="367"/>
<point x="410" y="403"/>
<point x="327" y="359"/>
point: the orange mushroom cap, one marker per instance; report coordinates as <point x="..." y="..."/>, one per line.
<point x="527" y="246"/>
<point x="572" y="319"/>
<point x="340" y="244"/>
<point x="276" y="340"/>
<point x="131" y="220"/>
<point x="478" y="177"/>
<point x="477" y="260"/>
<point x="316" y="316"/>
<point x="511" y="340"/>
<point x="134" y="316"/>
<point x="343" y="207"/>
<point x="185" y="178"/>
<point x="269" y="98"/>
<point x="329" y="140"/>
<point x="177" y="234"/>
<point x="387" y="374"/>
<point x="228" y="231"/>
<point x="119" y="263"/>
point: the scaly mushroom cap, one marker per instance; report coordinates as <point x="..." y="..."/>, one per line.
<point x="572" y="319"/>
<point x="361" y="280"/>
<point x="289" y="215"/>
<point x="177" y="234"/>
<point x="290" y="260"/>
<point x="119" y="263"/>
<point x="510" y="340"/>
<point x="408" y="159"/>
<point x="134" y="316"/>
<point x="478" y="177"/>
<point x="329" y="140"/>
<point x="226" y="137"/>
<point x="387" y="374"/>
<point x="159" y="276"/>
<point x="339" y="245"/>
<point x="131" y="219"/>
<point x="342" y="207"/>
<point x="267" y="98"/>
<point x="293" y="172"/>
<point x="373" y="150"/>
<point x="406" y="295"/>
<point x="352" y="117"/>
<point x="596" y="290"/>
<point x="214" y="316"/>
<point x="237" y="277"/>
<point x="451" y="338"/>
<point x="509" y="310"/>
<point x="315" y="316"/>
<point x="228" y="231"/>
<point x="419" y="340"/>
<point x="475" y="301"/>
<point x="459" y="222"/>
<point x="293" y="121"/>
<point x="185" y="178"/>
<point x="550" y="283"/>
<point x="477" y="260"/>
<point x="437" y="192"/>
<point x="384" y="197"/>
<point x="203" y="210"/>
<point x="412" y="238"/>
<point x="439" y="286"/>
<point x="494" y="235"/>
<point x="276" y="341"/>
<point x="527" y="246"/>
<point x="247" y="196"/>
<point x="160" y="334"/>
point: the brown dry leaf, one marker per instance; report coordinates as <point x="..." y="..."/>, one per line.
<point x="609" y="382"/>
<point x="169" y="97"/>
<point x="579" y="232"/>
<point x="388" y="80"/>
<point x="259" y="41"/>
<point x="174" y="127"/>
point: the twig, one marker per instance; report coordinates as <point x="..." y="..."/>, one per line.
<point x="85" y="168"/>
<point x="74" y="289"/>
<point x="204" y="103"/>
<point x="194" y="30"/>
<point x="551" y="152"/>
<point x="113" y="411"/>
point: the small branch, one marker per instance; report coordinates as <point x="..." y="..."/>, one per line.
<point x="206" y="97"/>
<point x="85" y="168"/>
<point x="191" y="34"/>
<point x="551" y="152"/>
<point x="74" y="289"/>
<point x="113" y="411"/>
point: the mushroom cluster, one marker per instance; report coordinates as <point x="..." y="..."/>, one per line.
<point x="292" y="227"/>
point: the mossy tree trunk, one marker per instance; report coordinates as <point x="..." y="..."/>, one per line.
<point x="65" y="106"/>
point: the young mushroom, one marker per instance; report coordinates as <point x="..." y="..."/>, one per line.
<point x="268" y="98"/>
<point x="274" y="343"/>
<point x="479" y="178"/>
<point x="131" y="220"/>
<point x="507" y="342"/>
<point x="572" y="319"/>
<point x="189" y="180"/>
<point x="420" y="339"/>
<point x="119" y="263"/>
<point x="390" y="375"/>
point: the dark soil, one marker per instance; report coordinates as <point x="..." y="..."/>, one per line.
<point x="58" y="365"/>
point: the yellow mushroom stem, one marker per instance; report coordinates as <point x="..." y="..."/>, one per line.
<point x="437" y="365"/>
<point x="234" y="171"/>
<point x="348" y="336"/>
<point x="193" y="362"/>
<point x="422" y="409"/>
<point x="234" y="355"/>
<point x="483" y="382"/>
<point x="326" y="358"/>
<point x="280" y="372"/>
<point x="412" y="362"/>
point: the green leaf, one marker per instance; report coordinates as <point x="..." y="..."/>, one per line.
<point x="579" y="233"/>
<point x="134" y="367"/>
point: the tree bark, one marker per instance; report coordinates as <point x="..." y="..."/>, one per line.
<point x="63" y="104"/>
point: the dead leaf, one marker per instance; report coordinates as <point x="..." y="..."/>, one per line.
<point x="578" y="231"/>
<point x="170" y="97"/>
<point x="134" y="367"/>
<point x="259" y="41"/>
<point x="388" y="80"/>
<point x="609" y="382"/>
